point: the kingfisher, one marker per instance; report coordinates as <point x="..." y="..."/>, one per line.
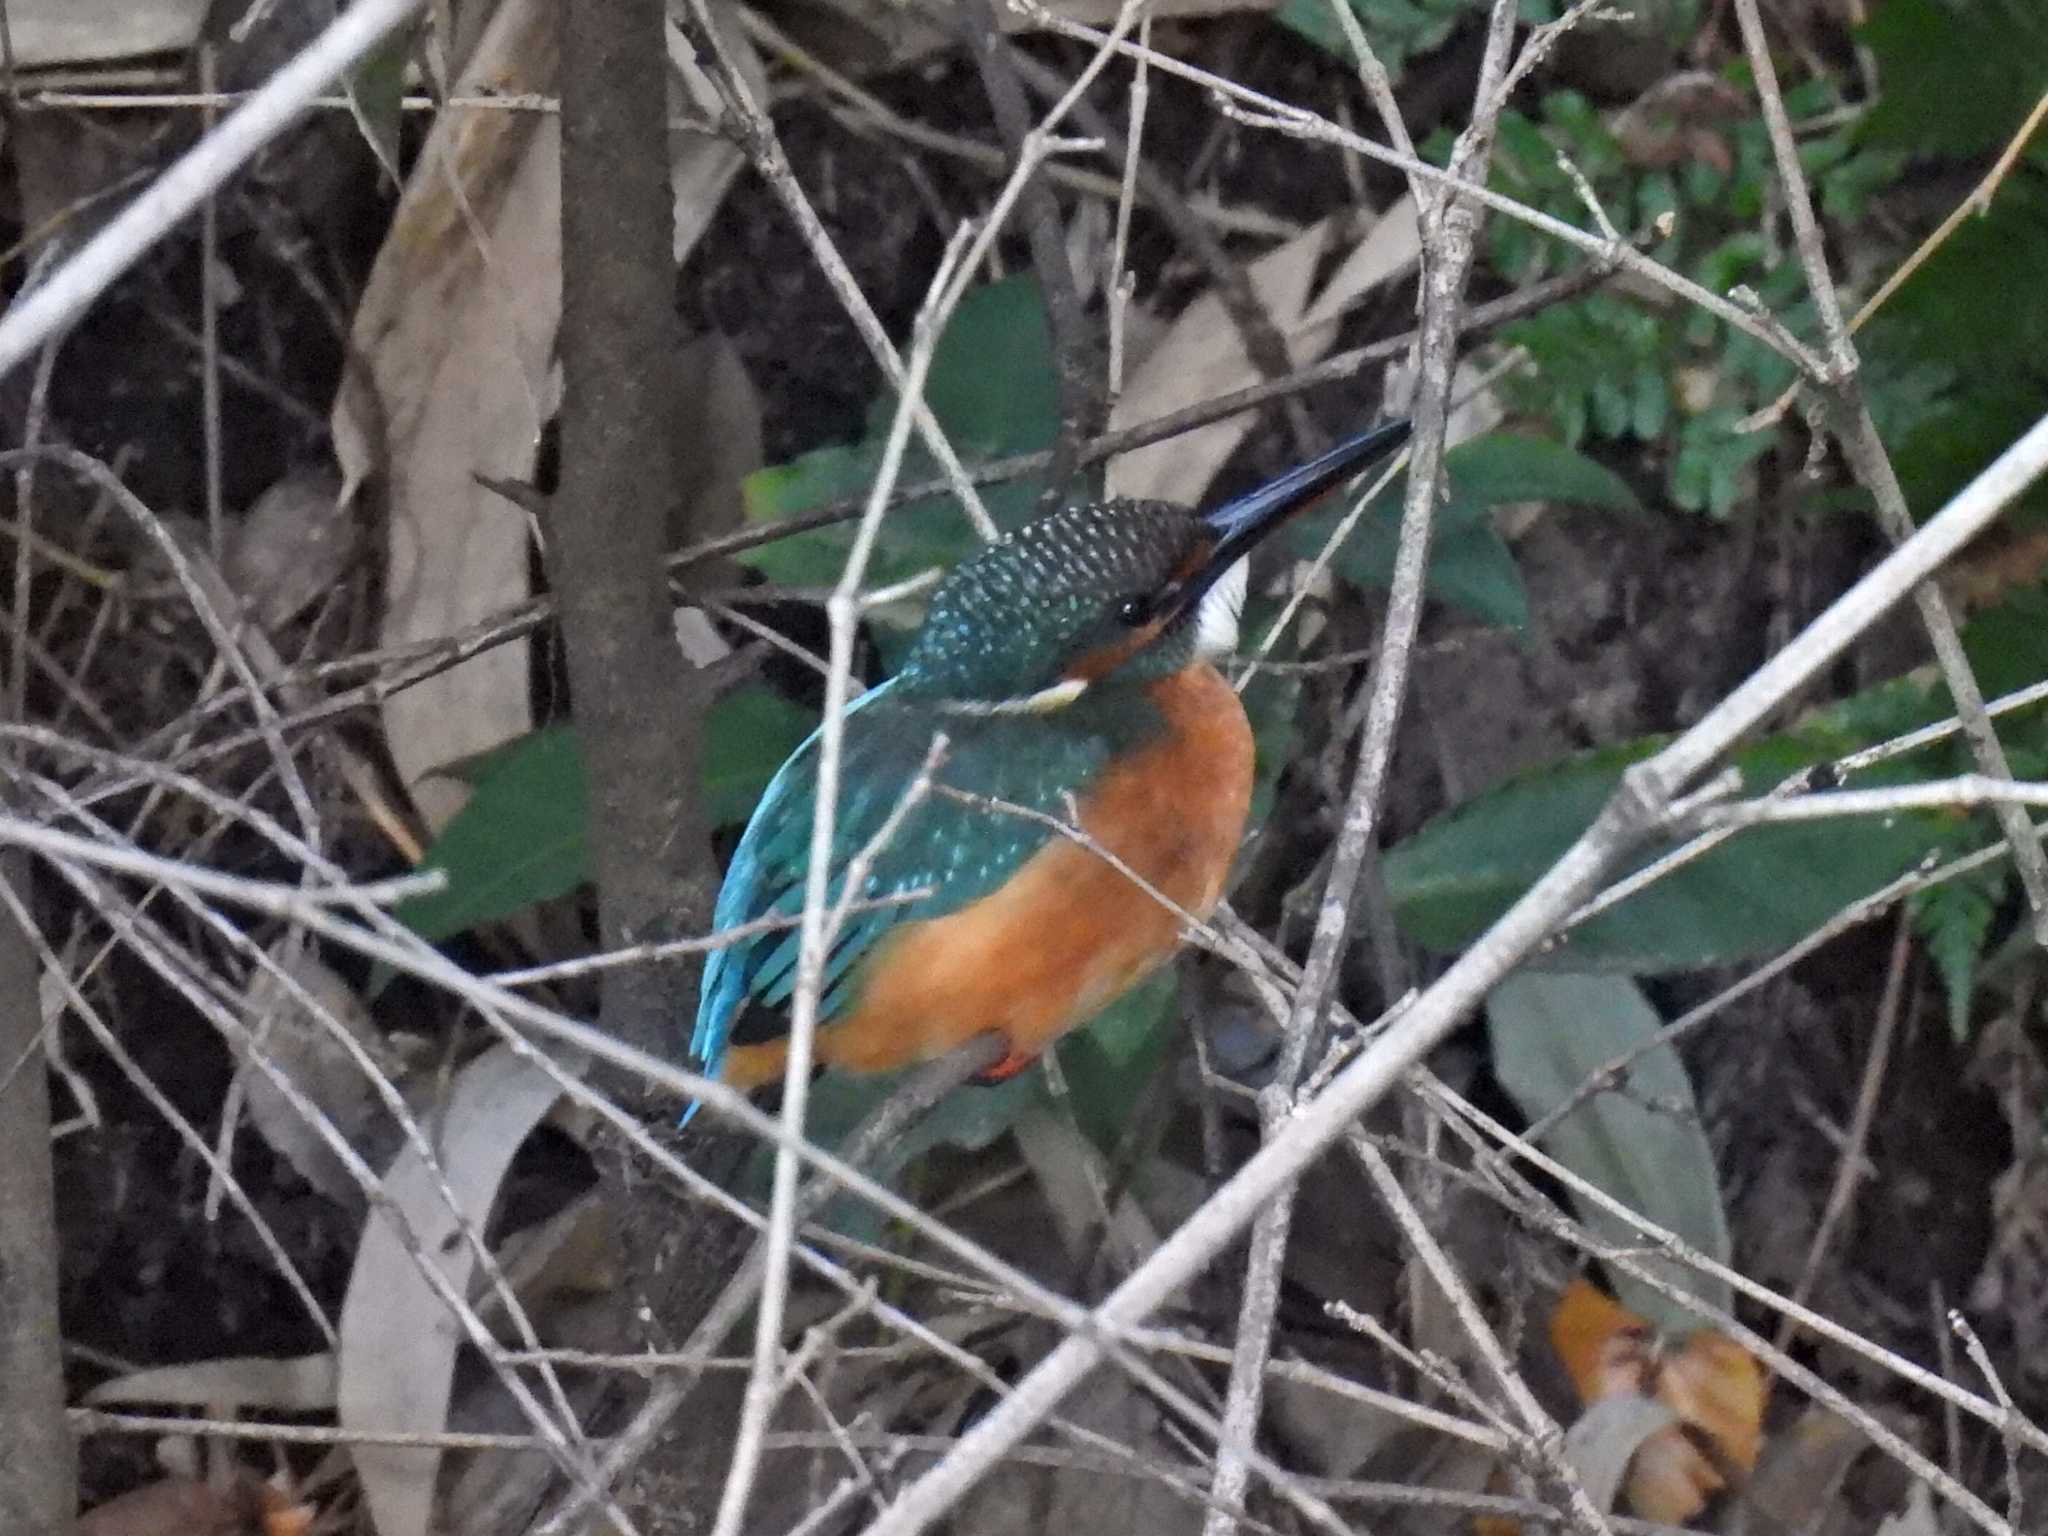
<point x="1070" y="668"/>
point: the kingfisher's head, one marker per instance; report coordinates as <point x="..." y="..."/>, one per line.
<point x="1114" y="593"/>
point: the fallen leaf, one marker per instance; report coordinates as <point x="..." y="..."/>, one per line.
<point x="1717" y="1387"/>
<point x="94" y="31"/>
<point x="452" y="346"/>
<point x="291" y="547"/>
<point x="1202" y="354"/>
<point x="1711" y="1385"/>
<point x="1604" y="1440"/>
<point x="301" y="1384"/>
<point x="178" y="1507"/>
<point x="302" y="1043"/>
<point x="1640" y="1143"/>
<point x="701" y="166"/>
<point x="1670" y="1479"/>
<point x="398" y="1338"/>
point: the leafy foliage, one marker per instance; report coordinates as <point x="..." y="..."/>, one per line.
<point x="1471" y="566"/>
<point x="523" y="837"/>
<point x="1673" y="380"/>
<point x="1761" y="890"/>
<point x="991" y="387"/>
<point x="1640" y="1142"/>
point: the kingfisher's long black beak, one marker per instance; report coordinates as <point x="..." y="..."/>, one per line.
<point x="1241" y="524"/>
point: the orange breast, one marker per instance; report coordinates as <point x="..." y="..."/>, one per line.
<point x="1069" y="933"/>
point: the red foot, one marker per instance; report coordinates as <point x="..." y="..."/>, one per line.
<point x="1005" y="1069"/>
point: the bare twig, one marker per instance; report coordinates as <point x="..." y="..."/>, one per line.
<point x="817" y="931"/>
<point x="1544" y="1436"/>
<point x="764" y="148"/>
<point x="1449" y="234"/>
<point x="1850" y="1162"/>
<point x="2015" y="1494"/>
<point x="1083" y="407"/>
<point x="203" y="169"/>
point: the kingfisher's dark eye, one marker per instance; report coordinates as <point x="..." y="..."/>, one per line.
<point x="1134" y="612"/>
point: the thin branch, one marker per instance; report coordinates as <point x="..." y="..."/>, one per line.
<point x="203" y="169"/>
<point x="1083" y="407"/>
<point x="1545" y="1438"/>
<point x="1850" y="1162"/>
<point x="1449" y="233"/>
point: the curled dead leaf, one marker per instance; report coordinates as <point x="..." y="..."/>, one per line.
<point x="180" y="1506"/>
<point x="1713" y="1385"/>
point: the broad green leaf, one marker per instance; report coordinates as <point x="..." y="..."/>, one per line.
<point x="1639" y="1142"/>
<point x="1756" y="892"/>
<point x="1470" y="564"/>
<point x="519" y="840"/>
<point x="523" y="836"/>
<point x="1958" y="78"/>
<point x="748" y="733"/>
<point x="991" y="387"/>
<point x="376" y="97"/>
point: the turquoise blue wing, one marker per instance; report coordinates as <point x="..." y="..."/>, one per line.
<point x="956" y="853"/>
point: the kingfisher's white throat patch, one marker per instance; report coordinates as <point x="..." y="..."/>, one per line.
<point x="1217" y="613"/>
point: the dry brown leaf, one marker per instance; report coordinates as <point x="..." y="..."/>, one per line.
<point x="398" y="1339"/>
<point x="302" y="1384"/>
<point x="1670" y="1479"/>
<point x="1714" y="1386"/>
<point x="291" y="548"/>
<point x="305" y="1048"/>
<point x="457" y="329"/>
<point x="1202" y="354"/>
<point x="179" y="1507"/>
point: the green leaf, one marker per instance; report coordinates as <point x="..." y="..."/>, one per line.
<point x="1958" y="77"/>
<point x="1397" y="29"/>
<point x="1754" y="893"/>
<point x="1470" y="565"/>
<point x="992" y="388"/>
<point x="376" y="97"/>
<point x="1955" y="921"/>
<point x="519" y="840"/>
<point x="748" y="734"/>
<point x="523" y="837"/>
<point x="1639" y="1142"/>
